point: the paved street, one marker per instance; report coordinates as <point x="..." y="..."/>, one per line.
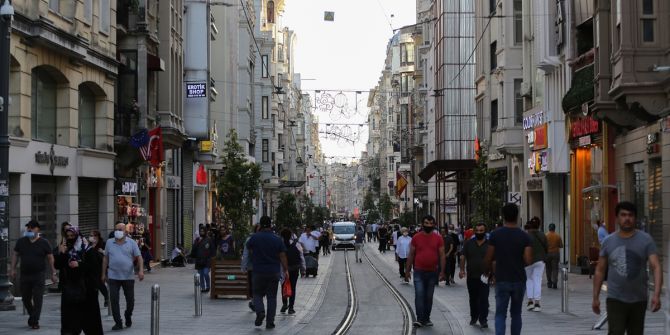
<point x="322" y="303"/>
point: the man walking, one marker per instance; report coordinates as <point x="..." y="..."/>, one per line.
<point x="358" y="243"/>
<point x="473" y="255"/>
<point x="121" y="253"/>
<point x="32" y="250"/>
<point x="449" y="253"/>
<point x="402" y="251"/>
<point x="426" y="256"/>
<point x="268" y="257"/>
<point x="309" y="241"/>
<point x="624" y="255"/>
<point x="509" y="247"/>
<point x="368" y="231"/>
<point x="554" y="245"/>
<point x="382" y="236"/>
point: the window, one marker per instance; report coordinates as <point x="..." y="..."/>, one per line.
<point x="518" y="101"/>
<point x="391" y="164"/>
<point x="280" y="140"/>
<point x="518" y="22"/>
<point x="648" y="7"/>
<point x="265" y="149"/>
<point x="638" y="187"/>
<point x="648" y="30"/>
<point x="494" y="114"/>
<point x="406" y="83"/>
<point x="494" y="57"/>
<point x="492" y="7"/>
<point x="43" y="106"/>
<point x="265" y="108"/>
<point x="65" y="8"/>
<point x="88" y="10"/>
<point x="406" y="53"/>
<point x="271" y="12"/>
<point x="104" y="16"/>
<point x="264" y="66"/>
<point x="86" y="117"/>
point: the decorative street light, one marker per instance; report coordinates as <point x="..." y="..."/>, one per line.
<point x="6" y="15"/>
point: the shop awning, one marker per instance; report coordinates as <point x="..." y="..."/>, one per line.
<point x="581" y="90"/>
<point x="446" y="165"/>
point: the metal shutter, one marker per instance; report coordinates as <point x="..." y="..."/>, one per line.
<point x="88" y="205"/>
<point x="171" y="209"/>
<point x="187" y="197"/>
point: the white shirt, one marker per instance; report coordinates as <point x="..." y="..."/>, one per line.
<point x="308" y="243"/>
<point x="317" y="235"/>
<point x="175" y="252"/>
<point x="402" y="246"/>
<point x="395" y="237"/>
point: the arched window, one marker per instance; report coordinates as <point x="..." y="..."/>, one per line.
<point x="43" y="106"/>
<point x="271" y="11"/>
<point x="86" y="117"/>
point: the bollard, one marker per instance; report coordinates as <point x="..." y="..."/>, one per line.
<point x="564" y="295"/>
<point x="155" y="308"/>
<point x="197" y="294"/>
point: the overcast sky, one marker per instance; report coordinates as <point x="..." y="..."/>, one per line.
<point x="347" y="54"/>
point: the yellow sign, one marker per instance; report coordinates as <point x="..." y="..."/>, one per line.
<point x="206" y="146"/>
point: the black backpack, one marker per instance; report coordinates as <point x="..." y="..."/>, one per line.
<point x="293" y="256"/>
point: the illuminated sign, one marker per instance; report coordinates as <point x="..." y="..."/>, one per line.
<point x="583" y="126"/>
<point x="540" y="137"/>
<point x="533" y="120"/>
<point x="196" y="90"/>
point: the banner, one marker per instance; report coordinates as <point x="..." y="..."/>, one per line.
<point x="400" y="185"/>
<point x="150" y="144"/>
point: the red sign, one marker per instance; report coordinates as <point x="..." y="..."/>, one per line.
<point x="583" y="126"/>
<point x="540" y="137"/>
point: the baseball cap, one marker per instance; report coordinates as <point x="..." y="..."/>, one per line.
<point x="33" y="224"/>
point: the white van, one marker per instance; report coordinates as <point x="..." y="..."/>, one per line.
<point x="344" y="234"/>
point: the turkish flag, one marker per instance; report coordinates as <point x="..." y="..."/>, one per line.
<point x="156" y="152"/>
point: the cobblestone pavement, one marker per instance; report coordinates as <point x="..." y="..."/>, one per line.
<point x="551" y="320"/>
<point x="321" y="305"/>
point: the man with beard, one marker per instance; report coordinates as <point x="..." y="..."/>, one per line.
<point x="624" y="255"/>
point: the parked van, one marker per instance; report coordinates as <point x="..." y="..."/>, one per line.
<point x="344" y="234"/>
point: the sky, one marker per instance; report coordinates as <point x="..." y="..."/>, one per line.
<point x="344" y="55"/>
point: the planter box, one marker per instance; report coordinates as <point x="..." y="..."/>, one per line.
<point x="228" y="280"/>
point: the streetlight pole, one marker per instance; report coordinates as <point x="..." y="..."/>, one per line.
<point x="6" y="14"/>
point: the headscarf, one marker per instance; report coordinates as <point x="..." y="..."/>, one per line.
<point x="80" y="245"/>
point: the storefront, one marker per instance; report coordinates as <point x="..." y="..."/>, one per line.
<point x="594" y="192"/>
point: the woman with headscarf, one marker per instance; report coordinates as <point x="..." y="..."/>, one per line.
<point x="79" y="263"/>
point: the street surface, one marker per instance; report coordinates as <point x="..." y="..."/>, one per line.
<point x="322" y="303"/>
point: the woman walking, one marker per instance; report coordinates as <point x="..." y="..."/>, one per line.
<point x="535" y="270"/>
<point x="296" y="264"/>
<point x="98" y="244"/>
<point x="81" y="266"/>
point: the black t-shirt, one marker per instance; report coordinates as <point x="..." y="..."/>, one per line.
<point x="32" y="254"/>
<point x="383" y="232"/>
<point x="448" y="241"/>
<point x="509" y="244"/>
<point x="474" y="258"/>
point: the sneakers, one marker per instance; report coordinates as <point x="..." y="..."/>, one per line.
<point x="117" y="326"/>
<point x="485" y="325"/>
<point x="291" y="311"/>
<point x="259" y="319"/>
<point x="473" y="322"/>
<point x="537" y="307"/>
<point x="530" y="306"/>
<point x="129" y="323"/>
<point x="428" y="323"/>
<point x="417" y="324"/>
<point x="270" y="325"/>
<point x="251" y="306"/>
<point x="283" y="309"/>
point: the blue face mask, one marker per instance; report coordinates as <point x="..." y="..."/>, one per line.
<point x="29" y="234"/>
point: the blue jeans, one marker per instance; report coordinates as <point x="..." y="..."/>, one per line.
<point x="424" y="286"/>
<point x="266" y="285"/>
<point x="506" y="291"/>
<point x="204" y="278"/>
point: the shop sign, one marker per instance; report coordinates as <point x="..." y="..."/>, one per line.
<point x="665" y="124"/>
<point x="583" y="126"/>
<point x="496" y="156"/>
<point x="652" y="138"/>
<point x="128" y="187"/>
<point x="531" y="138"/>
<point x="533" y="120"/>
<point x="196" y="90"/>
<point x="585" y="141"/>
<point x="206" y="146"/>
<point x="514" y="197"/>
<point x="173" y="182"/>
<point x="538" y="162"/>
<point x="534" y="184"/>
<point x="540" y="137"/>
<point x="51" y="159"/>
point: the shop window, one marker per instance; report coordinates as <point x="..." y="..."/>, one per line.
<point x="86" y="117"/>
<point x="638" y="187"/>
<point x="43" y="106"/>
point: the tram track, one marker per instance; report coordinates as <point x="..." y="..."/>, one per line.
<point x="352" y="306"/>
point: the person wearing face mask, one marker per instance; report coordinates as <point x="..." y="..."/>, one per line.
<point x="472" y="265"/>
<point x="121" y="253"/>
<point x="402" y="251"/>
<point x="80" y="264"/>
<point x="31" y="250"/>
<point x="426" y="256"/>
<point x="625" y="256"/>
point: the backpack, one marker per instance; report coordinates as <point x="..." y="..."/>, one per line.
<point x="293" y="256"/>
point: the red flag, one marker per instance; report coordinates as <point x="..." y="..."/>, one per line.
<point x="201" y="176"/>
<point x="153" y="150"/>
<point x="477" y="148"/>
<point x="401" y="184"/>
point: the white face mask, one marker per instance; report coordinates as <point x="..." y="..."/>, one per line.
<point x="93" y="240"/>
<point x="119" y="234"/>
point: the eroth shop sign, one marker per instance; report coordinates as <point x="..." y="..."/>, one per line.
<point x="196" y="90"/>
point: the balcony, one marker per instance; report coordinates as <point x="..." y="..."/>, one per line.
<point x="508" y="140"/>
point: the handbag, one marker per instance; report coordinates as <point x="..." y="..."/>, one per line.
<point x="286" y="290"/>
